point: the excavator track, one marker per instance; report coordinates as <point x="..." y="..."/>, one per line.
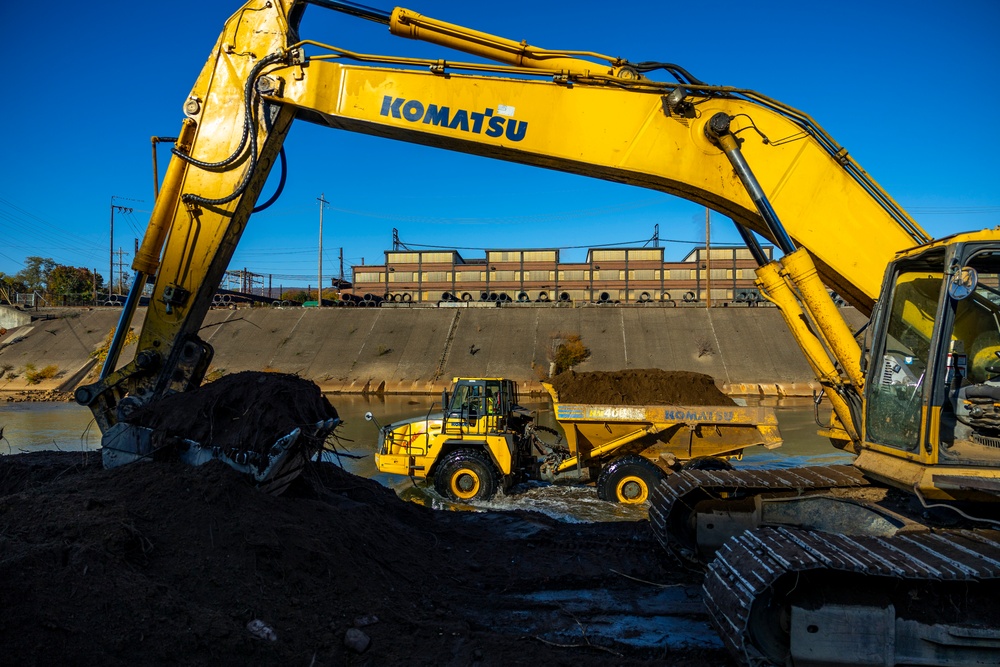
<point x="748" y="586"/>
<point x="673" y="501"/>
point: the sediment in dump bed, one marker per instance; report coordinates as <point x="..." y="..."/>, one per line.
<point x="245" y="411"/>
<point x="649" y="386"/>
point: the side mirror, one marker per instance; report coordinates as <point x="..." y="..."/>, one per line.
<point x="369" y="416"/>
<point x="444" y="400"/>
<point x="963" y="283"/>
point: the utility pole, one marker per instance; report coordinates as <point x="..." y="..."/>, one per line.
<point x="340" y="284"/>
<point x="708" y="258"/>
<point x="319" y="285"/>
<point x="111" y="265"/>
<point x="121" y="269"/>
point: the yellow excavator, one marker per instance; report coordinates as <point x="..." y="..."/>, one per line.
<point x="893" y="559"/>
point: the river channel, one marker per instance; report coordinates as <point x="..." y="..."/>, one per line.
<point x="28" y="427"/>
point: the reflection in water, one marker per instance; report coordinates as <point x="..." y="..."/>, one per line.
<point x="802" y="445"/>
<point x="29" y="427"/>
<point x="67" y="426"/>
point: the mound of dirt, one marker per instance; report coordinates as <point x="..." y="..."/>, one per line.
<point x="158" y="562"/>
<point x="245" y="411"/>
<point x="639" y="387"/>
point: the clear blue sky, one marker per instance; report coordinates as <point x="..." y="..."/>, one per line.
<point x="909" y="88"/>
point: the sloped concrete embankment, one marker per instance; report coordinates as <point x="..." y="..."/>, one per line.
<point x="62" y="339"/>
<point x="417" y="350"/>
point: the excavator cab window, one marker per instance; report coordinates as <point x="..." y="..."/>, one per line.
<point x="954" y="370"/>
<point x="896" y="392"/>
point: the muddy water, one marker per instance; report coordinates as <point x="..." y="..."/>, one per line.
<point x="44" y="426"/>
<point x="29" y="427"/>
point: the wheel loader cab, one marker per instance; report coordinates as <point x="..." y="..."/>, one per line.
<point x="479" y="406"/>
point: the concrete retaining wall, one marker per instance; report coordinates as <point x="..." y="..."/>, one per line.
<point x="419" y="350"/>
<point x="12" y="317"/>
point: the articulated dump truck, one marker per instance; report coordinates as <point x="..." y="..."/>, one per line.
<point x="623" y="431"/>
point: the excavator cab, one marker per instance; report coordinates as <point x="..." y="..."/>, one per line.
<point x="933" y="390"/>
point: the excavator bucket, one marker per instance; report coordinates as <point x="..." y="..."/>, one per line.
<point x="265" y="425"/>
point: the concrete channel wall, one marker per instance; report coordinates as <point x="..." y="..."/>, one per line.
<point x="13" y="317"/>
<point x="419" y="350"/>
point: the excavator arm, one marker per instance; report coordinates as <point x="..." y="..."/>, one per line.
<point x="578" y="112"/>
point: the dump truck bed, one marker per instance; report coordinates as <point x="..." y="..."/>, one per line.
<point x="668" y="434"/>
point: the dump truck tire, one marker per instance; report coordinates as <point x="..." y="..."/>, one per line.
<point x="466" y="475"/>
<point x="628" y="480"/>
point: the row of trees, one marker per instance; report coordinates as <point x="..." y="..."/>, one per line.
<point x="57" y="281"/>
<point x="302" y="295"/>
<point x="73" y="285"/>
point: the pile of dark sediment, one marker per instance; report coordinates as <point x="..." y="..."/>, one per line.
<point x="639" y="387"/>
<point x="158" y="563"/>
<point x="245" y="411"/>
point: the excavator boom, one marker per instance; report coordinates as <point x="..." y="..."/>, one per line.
<point x="566" y="128"/>
<point x="559" y="110"/>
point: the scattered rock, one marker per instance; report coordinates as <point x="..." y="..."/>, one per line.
<point x="37" y="396"/>
<point x="262" y="630"/>
<point x="356" y="640"/>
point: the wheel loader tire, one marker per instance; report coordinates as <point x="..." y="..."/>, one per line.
<point x="706" y="463"/>
<point x="466" y="475"/>
<point x="628" y="480"/>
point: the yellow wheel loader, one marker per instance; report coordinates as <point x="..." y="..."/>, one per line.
<point x="483" y="442"/>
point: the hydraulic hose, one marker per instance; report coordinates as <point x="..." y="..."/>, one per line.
<point x="354" y="9"/>
<point x="717" y="130"/>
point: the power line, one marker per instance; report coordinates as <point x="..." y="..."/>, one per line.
<point x="569" y="247"/>
<point x="24" y="222"/>
<point x="954" y="210"/>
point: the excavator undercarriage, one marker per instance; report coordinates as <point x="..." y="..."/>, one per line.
<point x="820" y="566"/>
<point x="809" y="597"/>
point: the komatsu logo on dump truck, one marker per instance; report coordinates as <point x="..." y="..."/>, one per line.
<point x="699" y="415"/>
<point x="491" y="122"/>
